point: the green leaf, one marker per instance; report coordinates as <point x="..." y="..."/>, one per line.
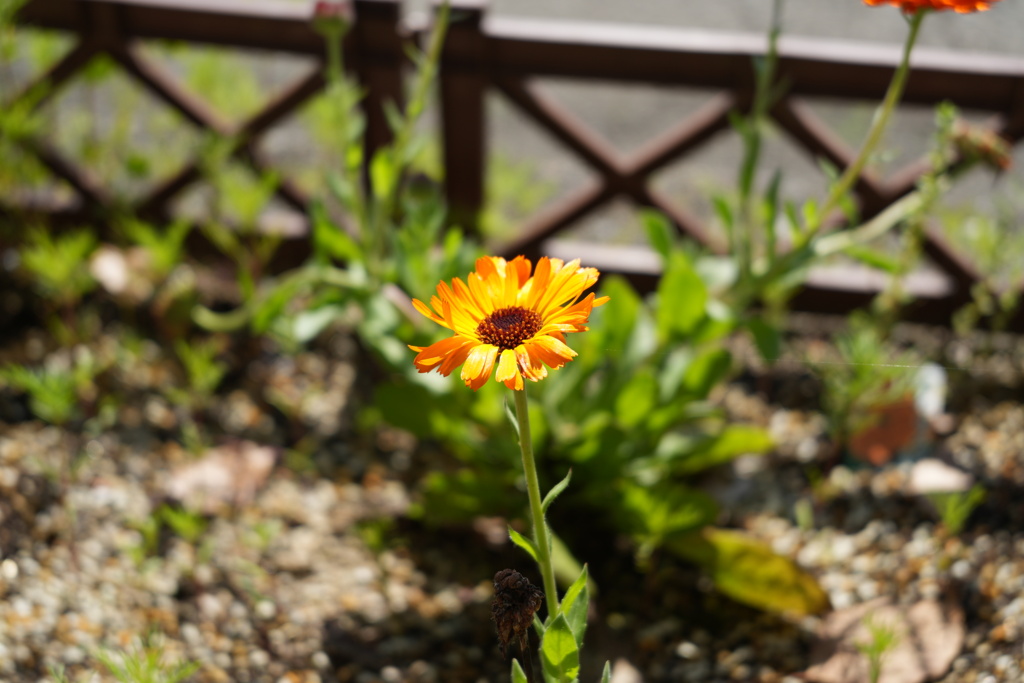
<point x="512" y="417"/>
<point x="565" y="564"/>
<point x="750" y="572"/>
<point x="559" y="653"/>
<point x="636" y="400"/>
<point x="767" y="338"/>
<point x="517" y="672"/>
<point x="657" y="513"/>
<point x="612" y="324"/>
<point x="724" y="212"/>
<point x="707" y="370"/>
<point x="875" y="258"/>
<point x="732" y="442"/>
<point x="555" y="491"/>
<point x="309" y="324"/>
<point x="660" y="232"/>
<point x="606" y="675"/>
<point x="383" y="172"/>
<point x="681" y="297"/>
<point x="771" y="213"/>
<point x="331" y="240"/>
<point x="575" y="605"/>
<point x="523" y="542"/>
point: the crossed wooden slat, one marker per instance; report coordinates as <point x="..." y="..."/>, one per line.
<point x="106" y="38"/>
<point x="628" y="177"/>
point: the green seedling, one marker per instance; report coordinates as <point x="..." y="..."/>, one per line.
<point x="956" y="508"/>
<point x="145" y="663"/>
<point x="884" y="637"/>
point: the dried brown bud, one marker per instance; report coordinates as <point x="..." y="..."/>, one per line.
<point x="516" y="600"/>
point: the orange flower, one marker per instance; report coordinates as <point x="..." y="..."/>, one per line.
<point x="961" y="6"/>
<point x="502" y="315"/>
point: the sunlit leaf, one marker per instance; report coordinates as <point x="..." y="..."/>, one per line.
<point x="681" y="297"/>
<point x="555" y="491"/>
<point x="523" y="542"/>
<point x="749" y="571"/>
<point x="636" y="400"/>
<point x="875" y="258"/>
<point x="517" y="672"/>
<point x="767" y="338"/>
<point x="559" y="653"/>
<point x="732" y="442"/>
<point x="659" y="232"/>
<point x="707" y="370"/>
<point x="575" y="605"/>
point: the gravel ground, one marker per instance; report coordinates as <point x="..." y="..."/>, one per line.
<point x="293" y="584"/>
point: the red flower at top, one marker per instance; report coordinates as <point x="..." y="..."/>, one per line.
<point x="960" y="6"/>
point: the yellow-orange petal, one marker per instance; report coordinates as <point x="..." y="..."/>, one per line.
<point x="550" y="350"/>
<point x="532" y="368"/>
<point x="506" y="366"/>
<point x="521" y="266"/>
<point x="431" y="356"/>
<point x="426" y="312"/>
<point x="479" y="363"/>
<point x="456" y="357"/>
<point x="515" y="382"/>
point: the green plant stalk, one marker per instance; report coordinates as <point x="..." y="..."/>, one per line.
<point x="540" y="527"/>
<point x="878" y="125"/>
<point x="335" y="77"/>
<point x="413" y="111"/>
<point x="752" y="143"/>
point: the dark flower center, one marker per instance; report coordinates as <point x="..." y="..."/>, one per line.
<point x="509" y="327"/>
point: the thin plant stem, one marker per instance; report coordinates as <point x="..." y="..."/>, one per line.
<point x="752" y="130"/>
<point x="427" y="71"/>
<point x="343" y="112"/>
<point x="878" y="125"/>
<point x="540" y="527"/>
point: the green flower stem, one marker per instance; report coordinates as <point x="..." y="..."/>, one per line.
<point x="878" y="126"/>
<point x="540" y="527"/>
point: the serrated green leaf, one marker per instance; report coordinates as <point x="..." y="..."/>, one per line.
<point x="575" y="605"/>
<point x="659" y="231"/>
<point x="539" y="627"/>
<point x="523" y="542"/>
<point x="555" y="491"/>
<point x="681" y="297"/>
<point x="559" y="653"/>
<point x="517" y="672"/>
<point x="606" y="675"/>
<point x="751" y="572"/>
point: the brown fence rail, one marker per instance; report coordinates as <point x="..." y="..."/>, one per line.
<point x="509" y="55"/>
